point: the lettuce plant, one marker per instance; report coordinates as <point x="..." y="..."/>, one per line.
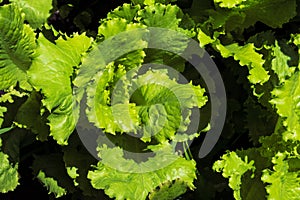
<point x="107" y="116"/>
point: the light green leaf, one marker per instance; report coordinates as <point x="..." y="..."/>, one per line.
<point x="233" y="167"/>
<point x="51" y="185"/>
<point x="282" y="184"/>
<point x="164" y="105"/>
<point x="137" y="184"/>
<point x="9" y="176"/>
<point x="51" y="73"/>
<point x="8" y="97"/>
<point x="4" y="130"/>
<point x="126" y="11"/>
<point x="228" y="3"/>
<point x="246" y="55"/>
<point x="286" y="100"/>
<point x="114" y="26"/>
<point x="169" y="191"/>
<point x="151" y="2"/>
<point x="52" y="172"/>
<point x="99" y="110"/>
<point x="151" y="16"/>
<point x="36" y="12"/>
<point x="280" y="64"/>
<point x="203" y="38"/>
<point x="2" y="111"/>
<point x="72" y="172"/>
<point x="16" y="48"/>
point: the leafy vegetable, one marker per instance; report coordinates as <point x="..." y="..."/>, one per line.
<point x="9" y="176"/>
<point x="36" y="13"/>
<point x="17" y="48"/>
<point x="112" y="85"/>
<point x="60" y="102"/>
<point x="51" y="185"/>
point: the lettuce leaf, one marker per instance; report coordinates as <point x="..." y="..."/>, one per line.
<point x="233" y="167"/>
<point x="246" y="55"/>
<point x="282" y="183"/>
<point x="143" y="178"/>
<point x="9" y="177"/>
<point x="287" y="102"/>
<point x="240" y="14"/>
<point x="51" y="185"/>
<point x="36" y="12"/>
<point x="17" y="48"/>
<point x="51" y="73"/>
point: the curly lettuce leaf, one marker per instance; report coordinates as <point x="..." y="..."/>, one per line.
<point x="8" y="98"/>
<point x="36" y="12"/>
<point x="99" y="109"/>
<point x="233" y="167"/>
<point x="238" y="14"/>
<point x="287" y="102"/>
<point x="17" y="48"/>
<point x="51" y="74"/>
<point x="126" y="11"/>
<point x="246" y="55"/>
<point x="128" y="185"/>
<point x="151" y="16"/>
<point x="252" y="187"/>
<point x="280" y="64"/>
<point x="9" y="177"/>
<point x="151" y="2"/>
<point x="164" y="105"/>
<point x="152" y="104"/>
<point x="282" y="183"/>
<point x="51" y="184"/>
<point x="228" y="3"/>
<point x="51" y="171"/>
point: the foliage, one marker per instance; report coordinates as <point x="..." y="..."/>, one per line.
<point x="61" y="60"/>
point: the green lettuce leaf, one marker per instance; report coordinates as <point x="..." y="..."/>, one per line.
<point x="164" y="105"/>
<point x="17" y="48"/>
<point x="51" y="184"/>
<point x="99" y="109"/>
<point x="280" y="64"/>
<point x="246" y="55"/>
<point x="9" y="177"/>
<point x="36" y="12"/>
<point x="282" y="184"/>
<point x="228" y="3"/>
<point x="151" y="2"/>
<point x="240" y="14"/>
<point x="126" y="11"/>
<point x="8" y="98"/>
<point x="51" y="73"/>
<point x="140" y="179"/>
<point x="151" y="16"/>
<point x="51" y="171"/>
<point x="287" y="102"/>
<point x="233" y="167"/>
